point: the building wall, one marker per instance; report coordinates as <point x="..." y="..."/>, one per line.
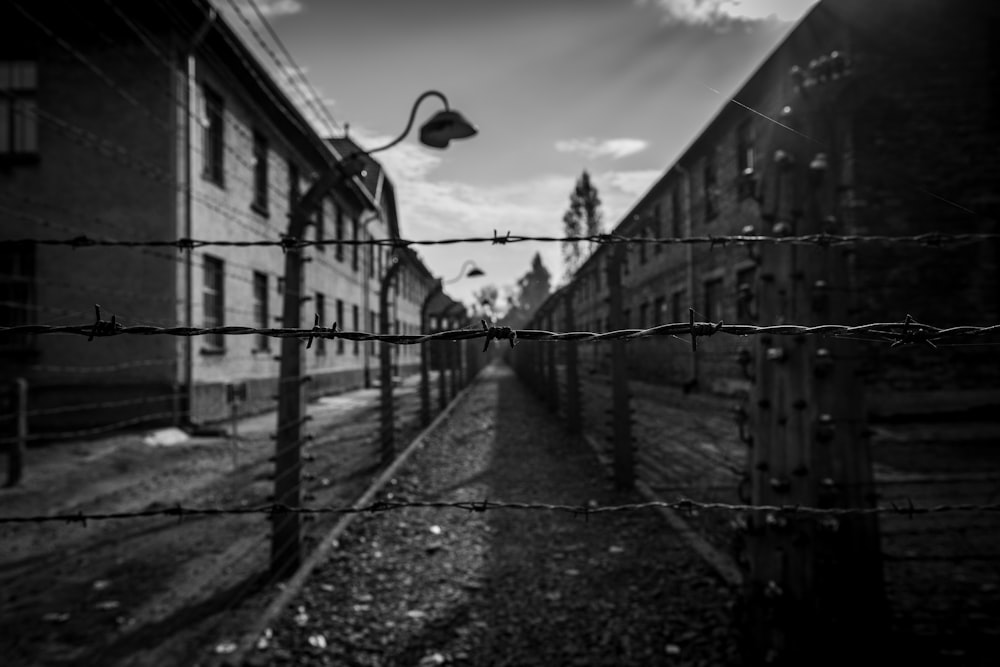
<point x="910" y="136"/>
<point x="103" y="169"/>
<point x="112" y="163"/>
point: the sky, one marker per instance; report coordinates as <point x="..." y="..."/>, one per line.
<point x="616" y="87"/>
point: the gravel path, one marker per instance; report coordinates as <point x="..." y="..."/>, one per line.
<point x="430" y="587"/>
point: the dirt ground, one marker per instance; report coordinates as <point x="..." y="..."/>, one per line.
<point x="941" y="571"/>
<point x="504" y="587"/>
<point x="155" y="590"/>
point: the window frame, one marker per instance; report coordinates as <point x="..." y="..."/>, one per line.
<point x="319" y="301"/>
<point x="710" y="186"/>
<point x="213" y="138"/>
<point x="261" y="158"/>
<point x="262" y="309"/>
<point x="339" y="232"/>
<point x="21" y="146"/>
<point x="213" y="293"/>
<point x="712" y="298"/>
<point x="18" y="276"/>
<point x="356" y="313"/>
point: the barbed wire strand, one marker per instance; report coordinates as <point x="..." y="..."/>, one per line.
<point x="906" y="332"/>
<point x="310" y="97"/>
<point x="684" y="505"/>
<point x="931" y="240"/>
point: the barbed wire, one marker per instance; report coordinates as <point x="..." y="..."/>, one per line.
<point x="906" y="332"/>
<point x="930" y="239"/>
<point x="585" y="510"/>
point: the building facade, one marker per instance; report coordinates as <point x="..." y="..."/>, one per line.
<point x="906" y="140"/>
<point x="152" y="121"/>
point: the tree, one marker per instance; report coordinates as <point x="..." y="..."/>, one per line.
<point x="486" y="300"/>
<point x="532" y="290"/>
<point x="583" y="215"/>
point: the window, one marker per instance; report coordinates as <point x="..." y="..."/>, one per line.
<point x="261" y="311"/>
<point x="373" y="328"/>
<point x="677" y="224"/>
<point x="260" y="153"/>
<point x="658" y="227"/>
<point x="745" y="280"/>
<point x="18" y="123"/>
<point x="713" y="300"/>
<point x="340" y="323"/>
<point x="355" y="318"/>
<point x="676" y="306"/>
<point x="213" y="137"/>
<point x="371" y="261"/>
<point x="319" y="222"/>
<point x="338" y="229"/>
<point x="293" y="186"/>
<point x="321" y="311"/>
<point x="710" y="187"/>
<point x="660" y="310"/>
<point x="644" y="315"/>
<point x="17" y="293"/>
<point x="214" y="301"/>
<point x="355" y="235"/>
<point x="642" y="246"/>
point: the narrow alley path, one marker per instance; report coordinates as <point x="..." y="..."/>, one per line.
<point x="507" y="587"/>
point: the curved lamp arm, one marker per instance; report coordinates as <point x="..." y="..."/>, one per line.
<point x="474" y="272"/>
<point x="436" y="132"/>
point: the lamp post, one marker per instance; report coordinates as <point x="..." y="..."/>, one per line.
<point x="388" y="436"/>
<point x="425" y="383"/>
<point x="286" y="548"/>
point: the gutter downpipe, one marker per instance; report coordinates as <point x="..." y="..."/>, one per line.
<point x="189" y="111"/>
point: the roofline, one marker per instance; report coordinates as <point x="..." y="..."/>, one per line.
<point x="685" y="155"/>
<point x="324" y="153"/>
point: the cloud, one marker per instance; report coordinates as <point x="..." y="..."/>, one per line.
<point x="724" y="12"/>
<point x="430" y="208"/>
<point x="592" y="148"/>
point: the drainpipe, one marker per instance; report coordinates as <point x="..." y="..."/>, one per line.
<point x="692" y="382"/>
<point x="189" y="97"/>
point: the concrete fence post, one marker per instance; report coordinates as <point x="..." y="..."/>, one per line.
<point x="571" y="354"/>
<point x="812" y="580"/>
<point x="17" y="433"/>
<point x="624" y="455"/>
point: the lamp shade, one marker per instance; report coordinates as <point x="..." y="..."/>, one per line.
<point x="445" y="126"/>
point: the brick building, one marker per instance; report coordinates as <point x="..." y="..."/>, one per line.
<point x="909" y="139"/>
<point x="138" y="121"/>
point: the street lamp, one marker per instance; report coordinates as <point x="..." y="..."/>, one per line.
<point x="442" y="128"/>
<point x="473" y="272"/>
<point x="438" y="132"/>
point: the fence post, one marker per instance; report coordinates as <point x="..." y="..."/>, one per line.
<point x="387" y="412"/>
<point x="572" y="369"/>
<point x="454" y="361"/>
<point x="425" y="353"/>
<point x="286" y="544"/>
<point x="18" y="433"/>
<point x="551" y="363"/>
<point x="624" y="464"/>
<point x="442" y="359"/>
<point x="812" y="581"/>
